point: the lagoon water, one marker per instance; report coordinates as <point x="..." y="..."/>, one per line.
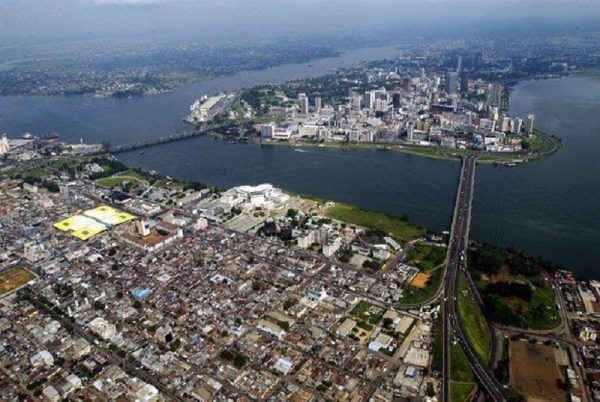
<point x="548" y="208"/>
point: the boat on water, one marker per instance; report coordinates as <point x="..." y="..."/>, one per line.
<point x="27" y="136"/>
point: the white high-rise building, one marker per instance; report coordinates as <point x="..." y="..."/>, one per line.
<point x="381" y="105"/>
<point x="452" y="83"/>
<point x="530" y="121"/>
<point x="410" y="134"/>
<point x="356" y="100"/>
<point x="4" y="146"/>
<point x="517" y="125"/>
<point x="143" y="227"/>
<point x="317" y="102"/>
<point x="504" y="124"/>
<point x="303" y="99"/>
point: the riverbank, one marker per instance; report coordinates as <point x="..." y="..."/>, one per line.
<point x="543" y="146"/>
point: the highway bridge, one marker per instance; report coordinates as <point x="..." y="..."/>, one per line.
<point x="116" y="149"/>
<point x="455" y="260"/>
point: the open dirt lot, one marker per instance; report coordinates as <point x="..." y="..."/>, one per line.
<point x="14" y="278"/>
<point x="534" y="372"/>
<point x="420" y="280"/>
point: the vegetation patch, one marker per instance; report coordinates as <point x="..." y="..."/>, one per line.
<point x="474" y="321"/>
<point x="426" y="257"/>
<point x="398" y="228"/>
<point x="460" y="370"/>
<point x="367" y="312"/>
<point x="113" y="182"/>
<point x="513" y="288"/>
<point x="461" y="391"/>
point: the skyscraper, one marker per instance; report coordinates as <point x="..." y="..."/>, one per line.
<point x="464" y="81"/>
<point x="303" y="99"/>
<point x="529" y="125"/>
<point x="317" y="102"/>
<point x="369" y="100"/>
<point x="459" y="65"/>
<point x="452" y="83"/>
<point x="396" y="100"/>
<point x="406" y="84"/>
<point x="517" y="125"/>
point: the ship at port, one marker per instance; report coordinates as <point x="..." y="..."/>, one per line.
<point x="51" y="137"/>
<point x="206" y="107"/>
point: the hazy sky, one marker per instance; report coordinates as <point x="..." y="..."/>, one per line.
<point x="43" y="19"/>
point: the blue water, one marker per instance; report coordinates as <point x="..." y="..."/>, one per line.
<point x="548" y="208"/>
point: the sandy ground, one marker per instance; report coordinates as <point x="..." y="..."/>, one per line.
<point x="420" y="280"/>
<point x="14" y="278"/>
<point x="534" y="372"/>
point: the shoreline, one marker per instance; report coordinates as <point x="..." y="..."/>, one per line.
<point x="448" y="154"/>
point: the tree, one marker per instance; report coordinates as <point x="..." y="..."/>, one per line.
<point x="387" y="322"/>
<point x="106" y="146"/>
<point x="255" y="285"/>
<point x="98" y="305"/>
<point x="239" y="361"/>
<point x="289" y="303"/>
<point x="137" y="304"/>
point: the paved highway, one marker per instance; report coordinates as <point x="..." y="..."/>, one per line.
<point x="459" y="238"/>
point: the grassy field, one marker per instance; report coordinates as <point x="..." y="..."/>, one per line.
<point x="474" y="322"/>
<point x="544" y="296"/>
<point x="13" y="279"/>
<point x="459" y="392"/>
<point x="113" y="182"/>
<point x="37" y="173"/>
<point x="414" y="295"/>
<point x="426" y="257"/>
<point x="459" y="365"/>
<point x="437" y="358"/>
<point x="399" y="230"/>
<point x="367" y="312"/>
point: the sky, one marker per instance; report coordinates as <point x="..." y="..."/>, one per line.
<point x="44" y="19"/>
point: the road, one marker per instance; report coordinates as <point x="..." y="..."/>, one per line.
<point x="459" y="238"/>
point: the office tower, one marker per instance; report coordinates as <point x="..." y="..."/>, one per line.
<point x="517" y="125"/>
<point x="303" y="99"/>
<point x="493" y="113"/>
<point x="452" y="83"/>
<point x="369" y="100"/>
<point x="422" y="74"/>
<point x="529" y="126"/>
<point x="317" y="102"/>
<point x="504" y="124"/>
<point x="347" y="110"/>
<point x="406" y="84"/>
<point x="464" y="81"/>
<point x="459" y="65"/>
<point x="355" y="101"/>
<point x="381" y="105"/>
<point x="410" y="133"/>
<point x="396" y="100"/>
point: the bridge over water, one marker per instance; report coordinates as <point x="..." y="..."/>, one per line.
<point x="116" y="149"/>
